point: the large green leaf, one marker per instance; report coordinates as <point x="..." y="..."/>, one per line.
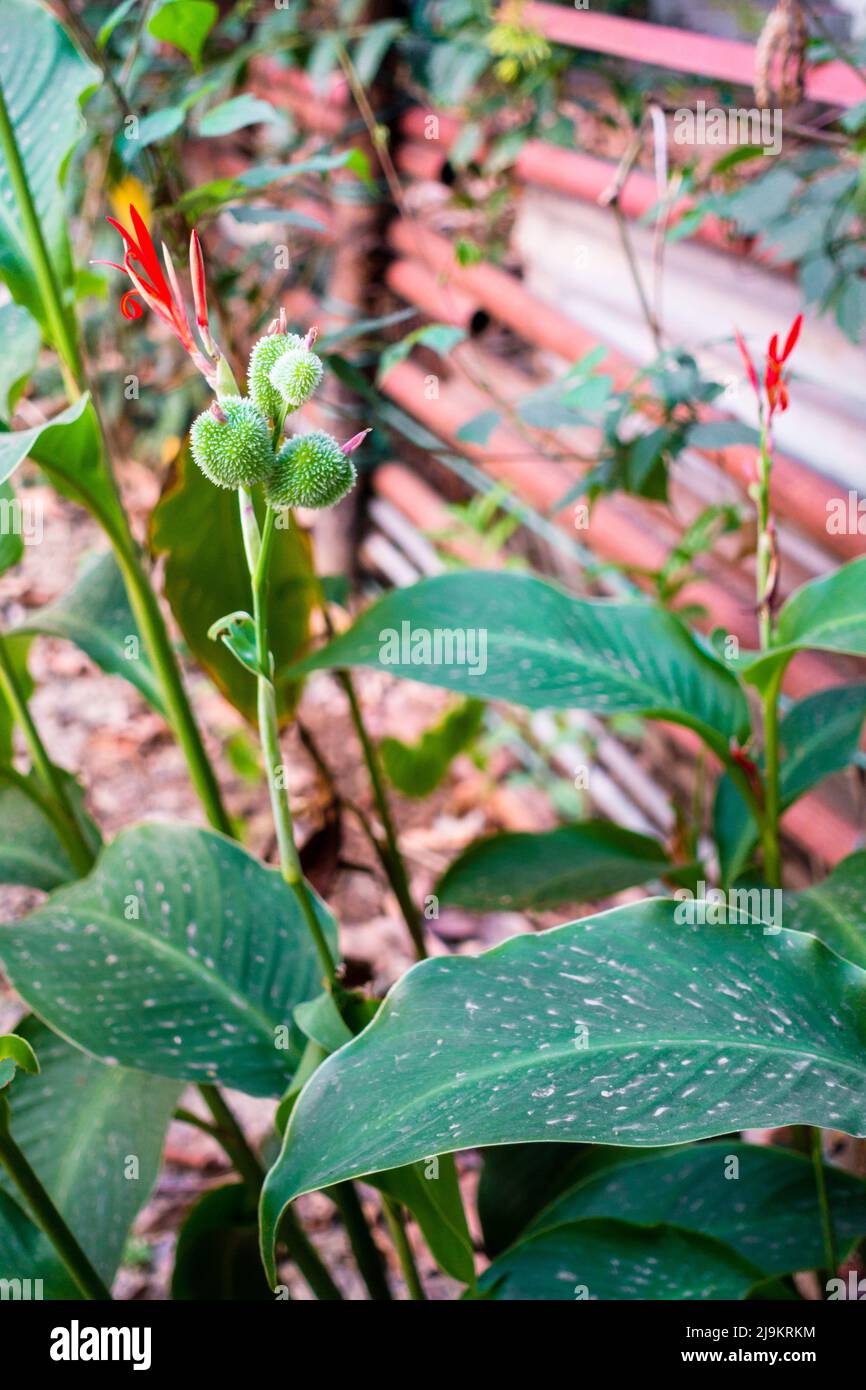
<point x="624" y="1028"/>
<point x="827" y="614"/>
<point x="44" y="79"/>
<point x="180" y="954"/>
<point x="206" y="576"/>
<point x="617" y="1260"/>
<point x="760" y="1199"/>
<point x="834" y="910"/>
<point x="94" y="1135"/>
<point x="570" y="864"/>
<point x="514" y="637"/>
<point x="96" y="616"/>
<point x="818" y="736"/>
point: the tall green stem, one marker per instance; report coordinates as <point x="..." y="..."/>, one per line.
<point x="368" y="1257"/>
<point x="258" y="549"/>
<point x="65" y="821"/>
<point x="394" y="1218"/>
<point x="47" y="1217"/>
<point x="301" y="1250"/>
<point x="830" y="1257"/>
<point x="392" y="859"/>
<point x="772" y="807"/>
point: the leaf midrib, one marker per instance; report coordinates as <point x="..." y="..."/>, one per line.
<point x="523" y="1062"/>
<point x="169" y="949"/>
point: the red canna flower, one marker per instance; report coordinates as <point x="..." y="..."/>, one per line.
<point x="774" y="380"/>
<point x="161" y="294"/>
<point x="775" y="383"/>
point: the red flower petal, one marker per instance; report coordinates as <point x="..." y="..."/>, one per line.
<point x="130" y="306"/>
<point x="791" y="340"/>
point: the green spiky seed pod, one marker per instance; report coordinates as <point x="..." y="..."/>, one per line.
<point x="311" y="471"/>
<point x="231" y="443"/>
<point x="264" y="355"/>
<point x="296" y="375"/>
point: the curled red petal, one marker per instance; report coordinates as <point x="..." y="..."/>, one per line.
<point x="130" y="305"/>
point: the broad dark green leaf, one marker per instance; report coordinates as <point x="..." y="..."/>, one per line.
<point x="44" y="80"/>
<point x="94" y="1135"/>
<point x="514" y="637"/>
<point x="519" y="1180"/>
<point x="96" y="616"/>
<point x="624" y="1028"/>
<point x="197" y="526"/>
<point x="827" y="614"/>
<point x="617" y="1260"/>
<point x="574" y="863"/>
<point x="180" y="954"/>
<point x="760" y="1199"/>
<point x="834" y="910"/>
<point x="818" y="736"/>
<point x="217" y="1257"/>
<point x="416" y="769"/>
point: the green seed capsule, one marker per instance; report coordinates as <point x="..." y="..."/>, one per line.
<point x="235" y="449"/>
<point x="263" y="357"/>
<point x="296" y="375"/>
<point x="311" y="471"/>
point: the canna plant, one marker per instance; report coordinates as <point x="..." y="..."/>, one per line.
<point x="603" y="1068"/>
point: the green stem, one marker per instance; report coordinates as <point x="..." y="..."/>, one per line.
<point x="764" y="555"/>
<point x="62" y="333"/>
<point x="231" y="1137"/>
<point x="47" y="1217"/>
<point x="830" y="1256"/>
<point x="772" y="806"/>
<point x="368" y="1256"/>
<point x="66" y="821"/>
<point x="258" y="548"/>
<point x="394" y="1218"/>
<point x="392" y="859"/>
